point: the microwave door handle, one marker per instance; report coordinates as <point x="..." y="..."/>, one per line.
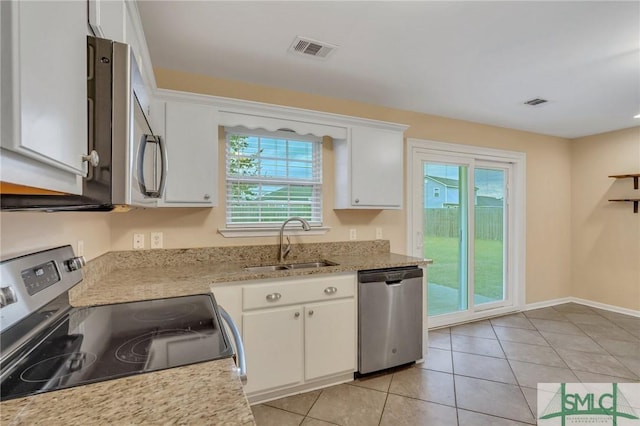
<point x="164" y="169"/>
<point x="141" y="152"/>
<point x="146" y="139"/>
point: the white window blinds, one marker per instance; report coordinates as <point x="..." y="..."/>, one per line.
<point x="271" y="176"/>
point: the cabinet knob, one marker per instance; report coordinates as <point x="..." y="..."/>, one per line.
<point x="311" y="312"/>
<point x="7" y="296"/>
<point x="357" y="200"/>
<point x="207" y="196"/>
<point x="93" y="158"/>
<point x="273" y="297"/>
<point x="75" y="263"/>
<point x="330" y="290"/>
<point x="297" y="314"/>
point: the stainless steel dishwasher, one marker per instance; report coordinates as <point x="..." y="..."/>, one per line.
<point x="389" y="317"/>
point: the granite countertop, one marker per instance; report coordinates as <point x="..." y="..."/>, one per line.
<point x="154" y="282"/>
<point x="204" y="393"/>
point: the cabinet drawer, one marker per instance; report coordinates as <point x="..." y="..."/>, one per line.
<point x="295" y="291"/>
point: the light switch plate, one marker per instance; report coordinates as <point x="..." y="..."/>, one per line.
<point x="378" y="233"/>
<point x="352" y="234"/>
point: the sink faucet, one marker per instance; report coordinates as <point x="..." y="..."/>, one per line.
<point x="284" y="251"/>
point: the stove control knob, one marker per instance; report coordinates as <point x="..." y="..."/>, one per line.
<point x="75" y="263"/>
<point x="7" y="296"/>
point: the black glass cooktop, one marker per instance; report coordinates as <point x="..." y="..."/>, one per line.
<point x="106" y="342"/>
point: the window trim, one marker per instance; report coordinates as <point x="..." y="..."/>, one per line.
<point x="267" y="228"/>
<point x="249" y="232"/>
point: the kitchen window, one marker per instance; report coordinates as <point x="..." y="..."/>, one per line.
<point x="271" y="176"/>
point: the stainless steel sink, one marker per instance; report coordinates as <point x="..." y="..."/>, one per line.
<point x="290" y="266"/>
<point x="307" y="265"/>
<point x="267" y="268"/>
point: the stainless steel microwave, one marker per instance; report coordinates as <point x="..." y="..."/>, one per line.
<point x="128" y="162"/>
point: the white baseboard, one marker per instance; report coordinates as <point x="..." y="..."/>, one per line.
<point x="547" y="303"/>
<point x="603" y="306"/>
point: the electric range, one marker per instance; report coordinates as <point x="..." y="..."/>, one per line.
<point x="48" y="345"/>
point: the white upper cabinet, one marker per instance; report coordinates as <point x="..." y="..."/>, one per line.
<point x="107" y="19"/>
<point x="191" y="134"/>
<point x="369" y="169"/>
<point x="368" y="153"/>
<point x="44" y="94"/>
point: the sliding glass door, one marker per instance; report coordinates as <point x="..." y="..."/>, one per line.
<point x="462" y="212"/>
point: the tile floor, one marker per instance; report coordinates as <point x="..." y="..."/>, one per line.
<point x="482" y="373"/>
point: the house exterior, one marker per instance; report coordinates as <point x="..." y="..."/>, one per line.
<point x="440" y="192"/>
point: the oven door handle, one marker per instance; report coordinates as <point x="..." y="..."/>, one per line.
<point x="242" y="364"/>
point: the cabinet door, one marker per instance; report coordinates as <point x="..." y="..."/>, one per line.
<point x="376" y="168"/>
<point x="273" y="345"/>
<point x="106" y="18"/>
<point x="44" y="72"/>
<point x="191" y="133"/>
<point x="330" y="338"/>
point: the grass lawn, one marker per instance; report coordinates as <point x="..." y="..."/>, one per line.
<point x="488" y="265"/>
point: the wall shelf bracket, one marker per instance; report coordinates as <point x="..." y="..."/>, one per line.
<point x="635" y="177"/>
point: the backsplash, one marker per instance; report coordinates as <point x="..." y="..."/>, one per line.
<point x="251" y="255"/>
<point x="248" y="255"/>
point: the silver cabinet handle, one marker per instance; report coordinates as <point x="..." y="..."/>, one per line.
<point x="242" y="364"/>
<point x="297" y="314"/>
<point x="330" y="290"/>
<point x="207" y="196"/>
<point x="273" y="297"/>
<point x="311" y="312"/>
<point x="357" y="200"/>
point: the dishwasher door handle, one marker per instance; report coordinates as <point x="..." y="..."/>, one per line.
<point x="242" y="363"/>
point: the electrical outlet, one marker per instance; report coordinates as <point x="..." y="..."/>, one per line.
<point x="156" y="240"/>
<point x="138" y="241"/>
<point x="352" y="234"/>
<point x="80" y="250"/>
<point x="378" y="233"/>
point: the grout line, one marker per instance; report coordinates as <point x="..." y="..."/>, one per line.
<point x="386" y="398"/>
<point x="499" y="417"/>
<point x="314" y="402"/>
<point x="422" y="400"/>
<point x="535" y="415"/>
<point x="453" y="379"/>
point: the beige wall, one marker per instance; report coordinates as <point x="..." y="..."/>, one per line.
<point x="25" y="232"/>
<point x="548" y="185"/>
<point x="547" y="210"/>
<point x="605" y="235"/>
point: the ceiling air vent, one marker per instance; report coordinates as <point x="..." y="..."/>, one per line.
<point x="536" y="101"/>
<point x="307" y="46"/>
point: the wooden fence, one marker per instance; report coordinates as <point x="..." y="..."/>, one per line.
<point x="446" y="223"/>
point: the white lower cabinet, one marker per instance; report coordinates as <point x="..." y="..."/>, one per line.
<point x="297" y="332"/>
<point x="273" y="342"/>
<point x="330" y="341"/>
